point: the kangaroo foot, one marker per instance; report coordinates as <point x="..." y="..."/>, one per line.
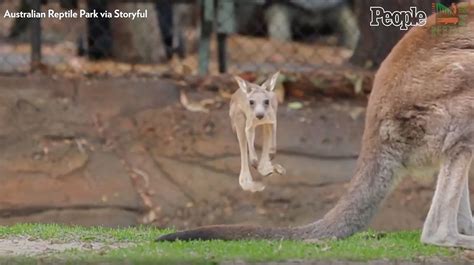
<point x="248" y="184"/>
<point x="272" y="154"/>
<point x="253" y="186"/>
<point x="265" y="168"/>
<point x="279" y="169"/>
<point x="466" y="228"/>
<point x="452" y="240"/>
<point x="254" y="162"/>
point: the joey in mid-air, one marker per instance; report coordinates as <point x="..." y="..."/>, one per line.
<point x="420" y="116"/>
<point x="255" y="105"/>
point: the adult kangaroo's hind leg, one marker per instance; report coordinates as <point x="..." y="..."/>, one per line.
<point x="245" y="178"/>
<point x="441" y="226"/>
<point x="465" y="222"/>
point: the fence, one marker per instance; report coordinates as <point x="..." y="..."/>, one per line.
<point x="190" y="37"/>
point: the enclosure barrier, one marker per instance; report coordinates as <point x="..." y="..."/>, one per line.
<point x="178" y="36"/>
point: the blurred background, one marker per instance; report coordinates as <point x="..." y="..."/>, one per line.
<point x="198" y="37"/>
<point x="121" y="122"/>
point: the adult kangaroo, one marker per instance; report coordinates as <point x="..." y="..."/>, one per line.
<point x="420" y="116"/>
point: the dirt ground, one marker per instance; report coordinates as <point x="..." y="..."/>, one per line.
<point x="120" y="152"/>
<point x="24" y="246"/>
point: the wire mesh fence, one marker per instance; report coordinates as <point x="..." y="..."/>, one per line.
<point x="189" y="37"/>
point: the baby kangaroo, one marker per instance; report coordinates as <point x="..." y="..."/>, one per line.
<point x="255" y="105"/>
<point x="420" y="116"/>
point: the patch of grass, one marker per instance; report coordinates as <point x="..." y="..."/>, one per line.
<point x="360" y="247"/>
<point x="63" y="233"/>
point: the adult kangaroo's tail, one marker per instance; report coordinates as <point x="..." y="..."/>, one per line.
<point x="229" y="232"/>
<point x="369" y="186"/>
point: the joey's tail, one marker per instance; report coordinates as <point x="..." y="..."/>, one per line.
<point x="371" y="183"/>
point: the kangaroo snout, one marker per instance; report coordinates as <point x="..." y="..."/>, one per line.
<point x="259" y="116"/>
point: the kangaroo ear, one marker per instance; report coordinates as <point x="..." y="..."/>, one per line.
<point x="244" y="85"/>
<point x="271" y="82"/>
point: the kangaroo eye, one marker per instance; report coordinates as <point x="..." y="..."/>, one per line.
<point x="266" y="102"/>
<point x="251" y="102"/>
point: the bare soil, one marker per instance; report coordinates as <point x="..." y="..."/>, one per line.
<point x="121" y="152"/>
<point x="24" y="246"/>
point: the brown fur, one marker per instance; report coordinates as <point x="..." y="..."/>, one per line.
<point x="420" y="114"/>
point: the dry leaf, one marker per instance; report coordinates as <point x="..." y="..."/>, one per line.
<point x="356" y="112"/>
<point x="149" y="217"/>
<point x="192" y="106"/>
<point x="357" y="81"/>
<point x="295" y="105"/>
<point x="144" y="176"/>
<point x="224" y="93"/>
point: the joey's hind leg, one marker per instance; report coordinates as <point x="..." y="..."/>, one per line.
<point x="277" y="167"/>
<point x="441" y="226"/>
<point x="245" y="178"/>
<point x="265" y="166"/>
<point x="250" y="135"/>
<point x="273" y="142"/>
<point x="465" y="221"/>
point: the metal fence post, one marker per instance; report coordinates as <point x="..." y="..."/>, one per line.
<point x="222" y="52"/>
<point x="207" y="17"/>
<point x="35" y="25"/>
<point x="225" y="26"/>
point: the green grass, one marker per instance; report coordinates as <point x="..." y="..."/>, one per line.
<point x="142" y="250"/>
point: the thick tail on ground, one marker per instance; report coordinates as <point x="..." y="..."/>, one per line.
<point x="229" y="232"/>
<point x="370" y="185"/>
